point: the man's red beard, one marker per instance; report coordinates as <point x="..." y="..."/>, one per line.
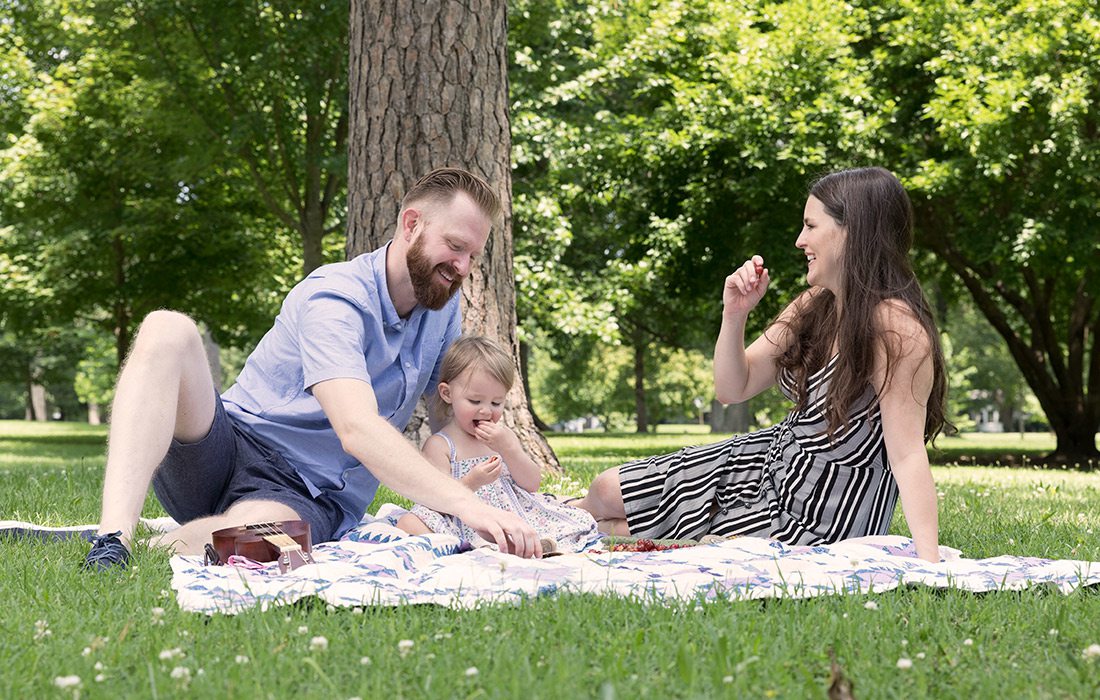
<point x="425" y="280"/>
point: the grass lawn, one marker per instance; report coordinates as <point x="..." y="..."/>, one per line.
<point x="124" y="636"/>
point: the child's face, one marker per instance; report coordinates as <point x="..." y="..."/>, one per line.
<point x="474" y="396"/>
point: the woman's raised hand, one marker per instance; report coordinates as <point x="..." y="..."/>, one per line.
<point x="745" y="287"/>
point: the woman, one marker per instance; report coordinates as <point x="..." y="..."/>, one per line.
<point x="859" y="354"/>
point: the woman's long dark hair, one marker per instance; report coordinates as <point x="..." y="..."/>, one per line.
<point x="874" y="209"/>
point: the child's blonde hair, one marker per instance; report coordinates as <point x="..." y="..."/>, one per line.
<point x="477" y="351"/>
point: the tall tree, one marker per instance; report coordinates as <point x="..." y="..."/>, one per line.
<point x="268" y="85"/>
<point x="113" y="209"/>
<point x="429" y="88"/>
<point x="997" y="129"/>
<point x="663" y="142"/>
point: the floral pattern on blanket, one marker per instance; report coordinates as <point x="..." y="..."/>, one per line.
<point x="376" y="564"/>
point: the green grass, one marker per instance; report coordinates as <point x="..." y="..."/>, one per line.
<point x="574" y="646"/>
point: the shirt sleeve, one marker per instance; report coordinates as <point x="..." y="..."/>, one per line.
<point x="332" y="339"/>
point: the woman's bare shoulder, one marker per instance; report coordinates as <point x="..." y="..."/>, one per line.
<point x="897" y="319"/>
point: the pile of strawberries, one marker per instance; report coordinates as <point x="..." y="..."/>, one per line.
<point x="645" y="546"/>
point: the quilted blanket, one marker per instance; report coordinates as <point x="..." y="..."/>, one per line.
<point x="376" y="564"/>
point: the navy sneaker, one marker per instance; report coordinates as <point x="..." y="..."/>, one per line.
<point x="107" y="552"/>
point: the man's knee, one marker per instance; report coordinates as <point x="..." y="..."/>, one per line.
<point x="167" y="332"/>
<point x="257" y="511"/>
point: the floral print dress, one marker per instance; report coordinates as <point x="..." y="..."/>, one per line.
<point x="571" y="528"/>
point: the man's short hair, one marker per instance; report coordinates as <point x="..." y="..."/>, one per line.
<point x="442" y="184"/>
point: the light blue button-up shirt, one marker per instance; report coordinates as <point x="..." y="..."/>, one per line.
<point x="339" y="322"/>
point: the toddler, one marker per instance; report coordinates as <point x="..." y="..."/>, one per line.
<point x="485" y="455"/>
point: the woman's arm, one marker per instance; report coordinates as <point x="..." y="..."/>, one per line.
<point x="904" y="389"/>
<point x="741" y="373"/>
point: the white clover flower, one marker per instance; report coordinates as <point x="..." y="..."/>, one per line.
<point x="871" y="605"/>
<point x="1053" y="632"/>
<point x="181" y="673"/>
<point x="405" y="646"/>
<point x="241" y="659"/>
<point x="471" y="672"/>
<point x="365" y="661"/>
<point x="968" y="642"/>
<point x="99" y="666"/>
<point x="99" y="678"/>
<point x="87" y="651"/>
<point x="169" y="654"/>
<point x="920" y="655"/>
<point x="318" y="644"/>
<point x="357" y="611"/>
<point x="67" y="681"/>
<point x="41" y="630"/>
<point x="904" y="663"/>
<point x="1092" y="651"/>
<point x="330" y="608"/>
<point x="302" y="629"/>
<point x="727" y="679"/>
<point x="905" y="642"/>
<point x="158" y="612"/>
<point x="164" y="593"/>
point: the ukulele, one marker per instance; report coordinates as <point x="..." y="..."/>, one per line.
<point x="286" y="541"/>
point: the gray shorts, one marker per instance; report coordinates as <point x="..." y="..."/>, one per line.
<point x="229" y="465"/>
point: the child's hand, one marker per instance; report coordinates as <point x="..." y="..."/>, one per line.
<point x="497" y="436"/>
<point x="482" y="473"/>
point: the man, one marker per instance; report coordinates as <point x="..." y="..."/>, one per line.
<point x="313" y="423"/>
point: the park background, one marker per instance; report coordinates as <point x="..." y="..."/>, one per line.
<point x="204" y="156"/>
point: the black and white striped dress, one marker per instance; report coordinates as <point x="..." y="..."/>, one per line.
<point x="789" y="482"/>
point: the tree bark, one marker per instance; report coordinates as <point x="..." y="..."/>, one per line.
<point x="428" y="88"/>
<point x="640" y="413"/>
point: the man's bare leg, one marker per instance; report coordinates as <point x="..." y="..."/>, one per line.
<point x="164" y="390"/>
<point x="192" y="537"/>
<point x="604" y="501"/>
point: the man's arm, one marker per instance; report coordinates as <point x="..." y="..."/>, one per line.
<point x="353" y="411"/>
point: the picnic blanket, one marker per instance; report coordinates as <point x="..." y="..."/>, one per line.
<point x="376" y="564"/>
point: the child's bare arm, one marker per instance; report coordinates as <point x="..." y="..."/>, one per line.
<point x="436" y="451"/>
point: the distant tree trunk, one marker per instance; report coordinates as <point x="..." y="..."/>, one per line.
<point x="731" y="418"/>
<point x="524" y="373"/>
<point x="121" y="310"/>
<point x="428" y="87"/>
<point x="36" y="402"/>
<point x="93" y="414"/>
<point x="642" y="416"/>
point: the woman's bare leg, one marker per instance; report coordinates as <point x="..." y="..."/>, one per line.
<point x="604" y="501"/>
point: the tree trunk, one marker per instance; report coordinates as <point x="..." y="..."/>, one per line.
<point x="524" y="369"/>
<point x="36" y="395"/>
<point x="731" y="418"/>
<point x="641" y="415"/>
<point x="428" y="87"/>
<point x="1062" y="371"/>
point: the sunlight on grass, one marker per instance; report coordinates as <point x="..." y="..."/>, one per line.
<point x="124" y="635"/>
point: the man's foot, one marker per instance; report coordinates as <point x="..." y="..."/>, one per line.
<point x="107" y="552"/>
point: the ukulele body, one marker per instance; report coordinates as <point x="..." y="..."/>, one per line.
<point x="286" y="541"/>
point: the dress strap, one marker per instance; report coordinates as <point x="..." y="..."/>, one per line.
<point x="450" y="444"/>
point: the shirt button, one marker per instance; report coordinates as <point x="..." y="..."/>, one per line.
<point x="408" y="364"/>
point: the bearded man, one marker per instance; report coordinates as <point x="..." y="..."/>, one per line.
<point x="313" y="423"/>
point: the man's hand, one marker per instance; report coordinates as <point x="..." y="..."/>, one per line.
<point x="508" y="530"/>
<point x="484" y="472"/>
